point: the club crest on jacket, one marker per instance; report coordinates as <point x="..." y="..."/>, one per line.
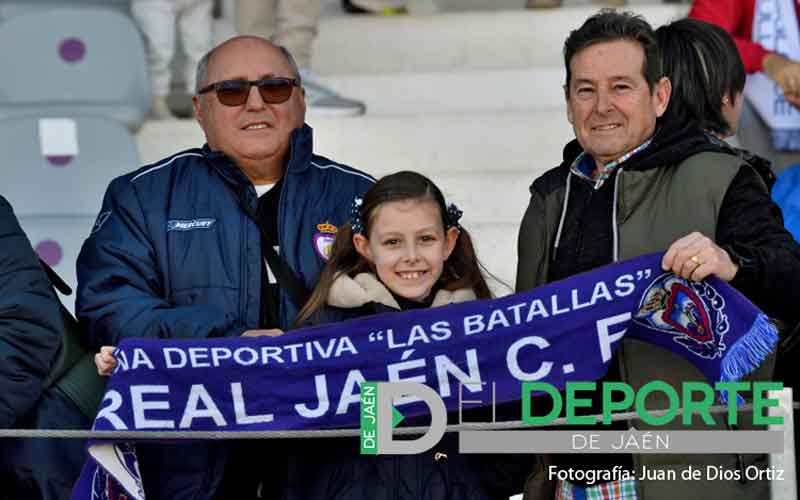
<point x="323" y="240"/>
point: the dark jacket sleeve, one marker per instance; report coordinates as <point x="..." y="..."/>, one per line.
<point x="121" y="290"/>
<point x="30" y="321"/>
<point x="750" y="227"/>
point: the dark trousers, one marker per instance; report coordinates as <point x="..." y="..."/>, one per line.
<point x="46" y="469"/>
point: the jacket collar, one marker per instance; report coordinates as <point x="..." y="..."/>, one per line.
<point x="349" y="293"/>
<point x="585" y="166"/>
<point x="301" y="150"/>
<point x="673" y="142"/>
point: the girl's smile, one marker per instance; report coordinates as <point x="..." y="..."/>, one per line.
<point x="408" y="246"/>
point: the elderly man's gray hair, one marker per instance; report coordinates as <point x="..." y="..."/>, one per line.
<point x="202" y="67"/>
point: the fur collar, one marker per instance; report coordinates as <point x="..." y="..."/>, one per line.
<point x="349" y="293"/>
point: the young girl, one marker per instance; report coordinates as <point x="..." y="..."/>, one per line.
<point x="403" y="249"/>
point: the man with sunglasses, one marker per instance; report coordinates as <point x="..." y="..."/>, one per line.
<point x="223" y="240"/>
<point x="294" y="25"/>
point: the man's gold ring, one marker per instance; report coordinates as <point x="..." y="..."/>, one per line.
<point x="696" y="260"/>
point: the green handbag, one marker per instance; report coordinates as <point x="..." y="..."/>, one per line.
<point x="73" y="371"/>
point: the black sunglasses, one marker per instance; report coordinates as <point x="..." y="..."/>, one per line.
<point x="236" y="92"/>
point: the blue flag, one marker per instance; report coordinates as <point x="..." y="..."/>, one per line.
<point x="309" y="378"/>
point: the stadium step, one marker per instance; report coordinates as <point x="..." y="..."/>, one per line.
<point x="528" y="142"/>
<point x="535" y="89"/>
<point x="456" y="41"/>
<point x="488" y="197"/>
<point x="496" y="247"/>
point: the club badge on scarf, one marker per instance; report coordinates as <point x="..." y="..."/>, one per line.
<point x="775" y="28"/>
<point x="309" y="379"/>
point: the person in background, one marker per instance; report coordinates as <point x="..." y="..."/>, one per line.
<point x="31" y="329"/>
<point x="707" y="74"/>
<point x="737" y="18"/>
<point x="293" y="24"/>
<point x="30" y="321"/>
<point x="708" y="78"/>
<point x="158" y="20"/>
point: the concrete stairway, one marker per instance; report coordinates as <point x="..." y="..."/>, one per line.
<point x="472" y="99"/>
<point x="457" y="41"/>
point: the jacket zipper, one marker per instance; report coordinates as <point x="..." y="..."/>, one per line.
<point x="244" y="262"/>
<point x="614" y="221"/>
<point x="615" y="250"/>
<point x="281" y="253"/>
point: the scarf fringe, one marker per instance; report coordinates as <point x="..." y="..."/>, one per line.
<point x="748" y="352"/>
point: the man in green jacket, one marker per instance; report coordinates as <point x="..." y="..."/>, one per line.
<point x="631" y="183"/>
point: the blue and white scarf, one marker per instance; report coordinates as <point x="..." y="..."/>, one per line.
<point x="309" y="379"/>
<point x="775" y="28"/>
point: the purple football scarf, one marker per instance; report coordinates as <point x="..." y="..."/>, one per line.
<point x="309" y="379"/>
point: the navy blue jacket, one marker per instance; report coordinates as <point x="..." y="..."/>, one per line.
<point x="174" y="255"/>
<point x="30" y="321"/>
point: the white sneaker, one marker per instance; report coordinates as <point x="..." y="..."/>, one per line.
<point x="323" y="101"/>
<point x="383" y="7"/>
<point x="392" y="7"/>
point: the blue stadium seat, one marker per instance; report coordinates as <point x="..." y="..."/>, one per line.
<point x="68" y="175"/>
<point x="57" y="240"/>
<point x="57" y="195"/>
<point x="81" y="60"/>
<point x="11" y="8"/>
